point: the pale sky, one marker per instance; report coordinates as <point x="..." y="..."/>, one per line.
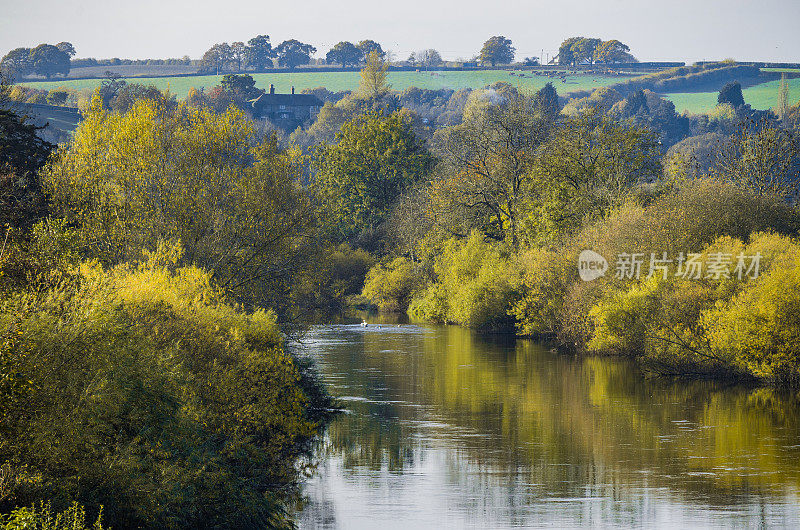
<point x="682" y="30"/>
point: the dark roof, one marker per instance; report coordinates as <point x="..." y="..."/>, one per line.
<point x="290" y="100"/>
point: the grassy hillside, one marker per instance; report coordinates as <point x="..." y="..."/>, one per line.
<point x="336" y="81"/>
<point x="762" y="96"/>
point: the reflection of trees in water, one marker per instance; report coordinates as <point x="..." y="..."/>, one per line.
<point x="576" y="427"/>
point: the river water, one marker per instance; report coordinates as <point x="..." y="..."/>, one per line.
<point x="445" y="428"/>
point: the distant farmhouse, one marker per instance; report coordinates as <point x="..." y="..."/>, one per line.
<point x="287" y="111"/>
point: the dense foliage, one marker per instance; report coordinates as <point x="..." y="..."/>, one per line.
<point x="493" y="241"/>
<point x="155" y="173"/>
<point x="360" y="176"/>
<point x="139" y="389"/>
<point x="144" y="371"/>
<point x="155" y="266"/>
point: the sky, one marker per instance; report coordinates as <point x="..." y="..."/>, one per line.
<point x="677" y="30"/>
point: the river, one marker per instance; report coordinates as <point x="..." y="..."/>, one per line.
<point x="445" y="428"/>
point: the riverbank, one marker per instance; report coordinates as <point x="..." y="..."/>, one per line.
<point x="140" y="393"/>
<point x="702" y="282"/>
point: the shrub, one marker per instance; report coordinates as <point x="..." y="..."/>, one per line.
<point x="38" y="98"/>
<point x="139" y="388"/>
<point x="608" y="314"/>
<point x="545" y="277"/>
<point x="603" y="97"/>
<point x="760" y="327"/>
<point x="338" y="276"/>
<point x="737" y="324"/>
<point x="692" y="157"/>
<point x="473" y="287"/>
<point x="391" y="286"/>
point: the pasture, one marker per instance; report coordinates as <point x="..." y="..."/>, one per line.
<point x="762" y="96"/>
<point x="337" y="81"/>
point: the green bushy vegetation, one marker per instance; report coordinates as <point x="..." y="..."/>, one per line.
<point x="161" y="172"/>
<point x="156" y="265"/>
<point x="337" y="280"/>
<point x="150" y="272"/>
<point x="140" y="389"/>
<point x="505" y="218"/>
<point x="473" y="286"/>
<point x="391" y="286"/>
<point x="707" y="325"/>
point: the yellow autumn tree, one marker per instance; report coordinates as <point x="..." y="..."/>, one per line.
<point x="373" y="77"/>
<point x="128" y="181"/>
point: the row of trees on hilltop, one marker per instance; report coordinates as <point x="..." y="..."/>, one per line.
<point x="46" y="60"/>
<point x="577" y="50"/>
<point x="258" y="54"/>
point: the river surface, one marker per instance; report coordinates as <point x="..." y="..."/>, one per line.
<point x="445" y="428"/>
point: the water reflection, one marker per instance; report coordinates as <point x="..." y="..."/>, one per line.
<point x="449" y="429"/>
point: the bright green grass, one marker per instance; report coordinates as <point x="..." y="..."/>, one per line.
<point x="784" y="70"/>
<point x="763" y="96"/>
<point x="337" y="81"/>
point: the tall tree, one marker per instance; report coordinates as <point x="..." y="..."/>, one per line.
<point x="293" y="53"/>
<point x="545" y="101"/>
<point x="497" y="50"/>
<point x="586" y="168"/>
<point x="344" y="53"/>
<point x="583" y="49"/>
<point x="429" y="57"/>
<point x="22" y="153"/>
<point x="373" y="77"/>
<point x="260" y="53"/>
<point x="782" y="108"/>
<point x="762" y="158"/>
<point x="486" y="163"/>
<point x="111" y="85"/>
<point x="361" y="176"/>
<point x="217" y="58"/>
<point x="207" y="179"/>
<point x="238" y="54"/>
<point x="565" y="54"/>
<point x="17" y="62"/>
<point x="242" y="86"/>
<point x="366" y="46"/>
<point x="47" y="60"/>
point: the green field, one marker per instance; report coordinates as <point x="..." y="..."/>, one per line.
<point x="782" y="70"/>
<point x="336" y="81"/>
<point x="763" y="96"/>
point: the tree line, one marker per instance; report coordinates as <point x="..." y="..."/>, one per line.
<point x="258" y="54"/>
